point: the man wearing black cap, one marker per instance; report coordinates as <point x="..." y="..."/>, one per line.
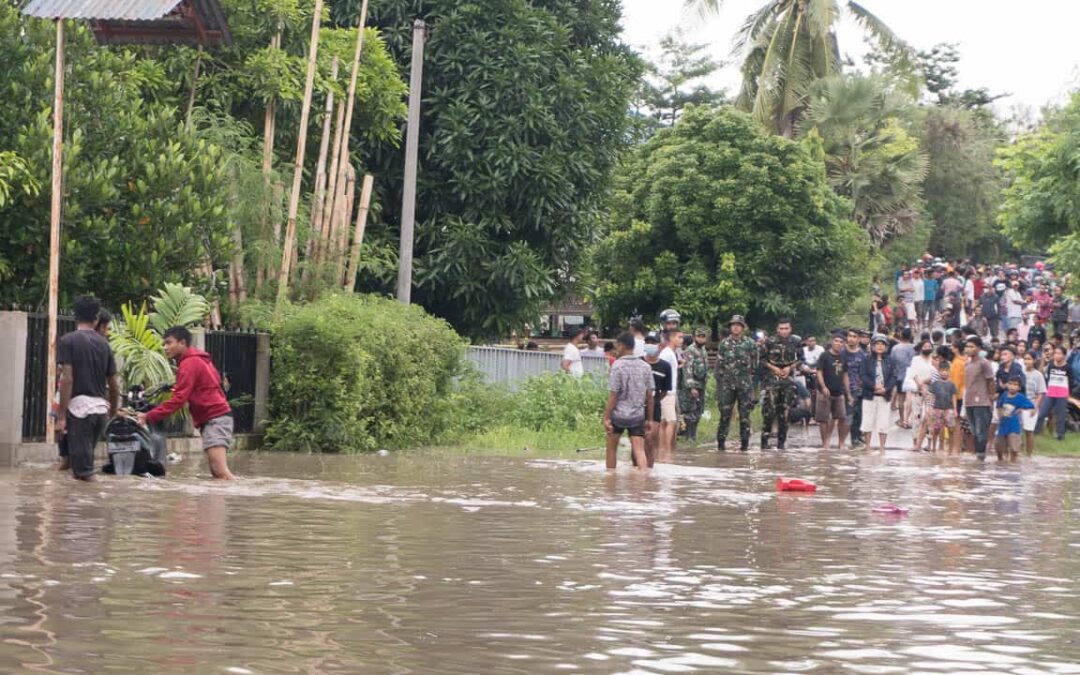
<point x="736" y="363"/>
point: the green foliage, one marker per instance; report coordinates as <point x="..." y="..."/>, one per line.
<point x="673" y="82"/>
<point x="153" y="190"/>
<point x="177" y="306"/>
<point x="523" y="118"/>
<point x="789" y="44"/>
<point x="1040" y="206"/>
<point x="962" y="189"/>
<point x="556" y="402"/>
<point x="870" y="157"/>
<point x="138" y="350"/>
<point x="355" y="373"/>
<point x="747" y="218"/>
<point x="15" y="174"/>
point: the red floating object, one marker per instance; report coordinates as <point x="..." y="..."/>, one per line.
<point x="795" y="485"/>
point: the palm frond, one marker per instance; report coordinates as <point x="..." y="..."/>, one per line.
<point x="755" y="25"/>
<point x="899" y="51"/>
<point x="177" y="306"/>
<point x="138" y="350"/>
<point x="770" y="83"/>
<point x="821" y="17"/>
<point x="704" y="8"/>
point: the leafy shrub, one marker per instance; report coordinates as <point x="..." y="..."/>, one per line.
<point x="557" y="402"/>
<point x="355" y="373"/>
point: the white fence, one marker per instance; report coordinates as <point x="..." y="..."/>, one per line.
<point x="512" y="366"/>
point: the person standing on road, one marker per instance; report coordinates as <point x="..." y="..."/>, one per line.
<point x="834" y="394"/>
<point x="780" y="355"/>
<point x="87" y="376"/>
<point x="661" y="371"/>
<point x="695" y="377"/>
<point x="736" y="363"/>
<point x="854" y="355"/>
<point x="669" y="407"/>
<point x="878" y="384"/>
<point x="630" y="403"/>
<point x="198" y="384"/>
<point x="979" y="394"/>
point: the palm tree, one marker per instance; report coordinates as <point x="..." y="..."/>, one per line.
<point x="869" y="155"/>
<point x="787" y="45"/>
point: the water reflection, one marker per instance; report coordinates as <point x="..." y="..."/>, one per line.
<point x="436" y="562"/>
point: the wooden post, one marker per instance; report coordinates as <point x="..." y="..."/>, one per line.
<point x="298" y="168"/>
<point x="358" y="234"/>
<point x="320" y="177"/>
<point x="341" y="151"/>
<point x="269" y="122"/>
<point x="54" y="225"/>
<point x="412" y="140"/>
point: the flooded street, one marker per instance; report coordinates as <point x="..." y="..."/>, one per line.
<point x="433" y="562"/>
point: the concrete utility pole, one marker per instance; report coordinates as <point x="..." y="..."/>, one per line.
<point x="412" y="141"/>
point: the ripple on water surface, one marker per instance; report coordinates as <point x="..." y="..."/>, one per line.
<point x="443" y="563"/>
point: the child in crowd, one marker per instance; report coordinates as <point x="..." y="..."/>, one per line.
<point x="1036" y="389"/>
<point x="943" y="407"/>
<point x="1010" y="405"/>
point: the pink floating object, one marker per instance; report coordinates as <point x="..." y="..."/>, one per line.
<point x="891" y="509"/>
<point x="795" y="485"/>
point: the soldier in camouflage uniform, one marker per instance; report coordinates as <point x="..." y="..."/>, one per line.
<point x="692" y="380"/>
<point x="736" y="363"/>
<point x="781" y="357"/>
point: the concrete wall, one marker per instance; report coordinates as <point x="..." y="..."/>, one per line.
<point x="13" y="366"/>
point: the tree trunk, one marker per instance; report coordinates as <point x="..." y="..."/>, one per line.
<point x="358" y="235"/>
<point x="320" y="178"/>
<point x="347" y="198"/>
<point x="323" y="253"/>
<point x="298" y="167"/>
<point x="269" y="123"/>
<point x="194" y="86"/>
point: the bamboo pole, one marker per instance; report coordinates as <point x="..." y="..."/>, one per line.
<point x="337" y="168"/>
<point x="57" y="202"/>
<point x="348" y="196"/>
<point x="331" y="191"/>
<point x="298" y="168"/>
<point x="358" y="234"/>
<point x="269" y="124"/>
<point x="320" y="176"/>
<point x="194" y="85"/>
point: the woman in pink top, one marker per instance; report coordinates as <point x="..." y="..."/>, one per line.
<point x="1058" y="385"/>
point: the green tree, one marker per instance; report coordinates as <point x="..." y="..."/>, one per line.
<point x="674" y="80"/>
<point x="1040" y="206"/>
<point x="524" y="116"/>
<point x="715" y="216"/>
<point x="870" y="157"/>
<point x="787" y="45"/>
<point x="962" y="188"/>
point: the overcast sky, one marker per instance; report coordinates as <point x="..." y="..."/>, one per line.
<point x="1028" y="49"/>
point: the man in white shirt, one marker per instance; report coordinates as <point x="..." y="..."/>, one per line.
<point x="812" y="352"/>
<point x="571" y="355"/>
<point x="594" y="347"/>
<point x="669" y="410"/>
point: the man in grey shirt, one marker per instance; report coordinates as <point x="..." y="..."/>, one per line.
<point x="630" y="402"/>
<point x="901" y="355"/>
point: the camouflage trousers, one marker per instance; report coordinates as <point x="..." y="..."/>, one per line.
<point x="690" y="407"/>
<point x="778" y="399"/>
<point x="728" y="396"/>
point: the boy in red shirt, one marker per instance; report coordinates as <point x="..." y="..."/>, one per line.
<point x="199" y="385"/>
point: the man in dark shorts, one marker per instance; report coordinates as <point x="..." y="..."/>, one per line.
<point x="630" y="402"/>
<point x="87" y="370"/>
<point x="198" y="384"/>
<point x="834" y="393"/>
<point x="662" y="387"/>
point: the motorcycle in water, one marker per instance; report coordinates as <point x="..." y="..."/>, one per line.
<point x="134" y="449"/>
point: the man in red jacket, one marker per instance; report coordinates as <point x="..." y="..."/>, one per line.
<point x="199" y="385"/>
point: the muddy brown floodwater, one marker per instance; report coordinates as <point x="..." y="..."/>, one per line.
<point x="441" y="562"/>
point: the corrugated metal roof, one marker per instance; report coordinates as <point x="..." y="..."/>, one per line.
<point x="129" y="10"/>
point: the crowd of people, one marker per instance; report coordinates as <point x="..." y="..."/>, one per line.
<point x="967" y="357"/>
